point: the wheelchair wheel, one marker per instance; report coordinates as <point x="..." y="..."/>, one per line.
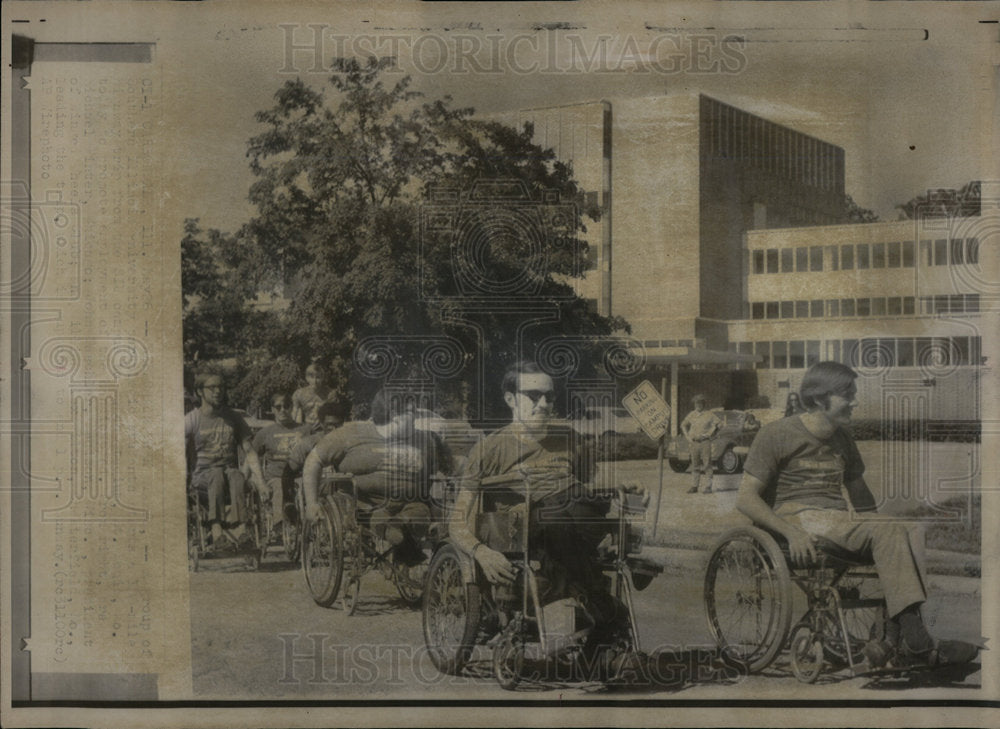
<point x="409" y="582"/>
<point x="196" y="533"/>
<point x="291" y="538"/>
<point x="508" y="661"/>
<point x="806" y="654"/>
<point x="256" y="528"/>
<point x="450" y="612"/>
<point x="352" y="592"/>
<point x="748" y="597"/>
<point x="323" y="555"/>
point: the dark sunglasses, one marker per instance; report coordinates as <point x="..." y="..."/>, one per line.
<point x="536" y="395"/>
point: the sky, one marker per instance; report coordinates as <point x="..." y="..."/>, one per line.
<point x="905" y="88"/>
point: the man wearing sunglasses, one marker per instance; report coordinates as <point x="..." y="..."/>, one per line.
<point x="568" y="517"/>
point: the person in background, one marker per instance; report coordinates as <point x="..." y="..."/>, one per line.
<point x="306" y="400"/>
<point x="274" y="444"/>
<point x="332" y="415"/>
<point x="215" y="434"/>
<point x="804" y="479"/>
<point x="700" y="427"/>
<point x="793" y="405"/>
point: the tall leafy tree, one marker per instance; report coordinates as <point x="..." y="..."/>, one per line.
<point x="944" y="203"/>
<point x="340" y="177"/>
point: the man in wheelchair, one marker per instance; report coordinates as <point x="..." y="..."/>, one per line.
<point x="392" y="463"/>
<point x="568" y="521"/>
<point x="214" y="434"/>
<point x="804" y="480"/>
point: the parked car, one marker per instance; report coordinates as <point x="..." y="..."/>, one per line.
<point x="729" y="447"/>
<point x="605" y="423"/>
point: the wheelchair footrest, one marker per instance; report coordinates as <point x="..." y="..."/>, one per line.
<point x="869" y="602"/>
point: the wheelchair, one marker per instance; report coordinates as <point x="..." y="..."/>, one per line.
<point x="340" y="548"/>
<point x="462" y="610"/>
<point x="252" y="550"/>
<point x="749" y="604"/>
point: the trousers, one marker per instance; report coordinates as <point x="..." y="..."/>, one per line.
<point x="890" y="545"/>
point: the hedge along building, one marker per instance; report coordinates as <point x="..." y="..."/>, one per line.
<point x="692" y="193"/>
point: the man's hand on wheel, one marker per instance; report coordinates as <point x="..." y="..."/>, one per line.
<point x="801" y="546"/>
<point x="313" y="512"/>
<point x="495" y="566"/>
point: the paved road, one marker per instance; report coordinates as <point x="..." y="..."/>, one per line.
<point x="257" y="635"/>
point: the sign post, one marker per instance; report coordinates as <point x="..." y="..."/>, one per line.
<point x="652" y="412"/>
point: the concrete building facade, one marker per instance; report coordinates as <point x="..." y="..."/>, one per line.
<point x="722" y="241"/>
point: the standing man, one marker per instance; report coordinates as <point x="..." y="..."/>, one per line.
<point x="804" y="479"/>
<point x="700" y="427"/>
<point x="214" y="433"/>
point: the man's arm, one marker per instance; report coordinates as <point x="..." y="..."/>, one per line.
<point x="686" y="426"/>
<point x="311" y="472"/>
<point x="801" y="544"/>
<point x="495" y="566"/>
<point x="253" y="461"/>
<point x="861" y="496"/>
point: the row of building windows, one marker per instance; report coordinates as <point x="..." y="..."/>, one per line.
<point x="870" y="352"/>
<point x="866" y="306"/>
<point x="896" y="254"/>
<point x="754" y="141"/>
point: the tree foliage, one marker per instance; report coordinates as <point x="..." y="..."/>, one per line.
<point x="340" y="175"/>
<point x="854" y="213"/>
<point x="944" y="203"/>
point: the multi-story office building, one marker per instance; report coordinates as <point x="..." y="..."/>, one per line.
<point x="899" y="301"/>
<point x="722" y="241"/>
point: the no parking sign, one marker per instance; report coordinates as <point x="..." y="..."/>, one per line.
<point x="649" y="409"/>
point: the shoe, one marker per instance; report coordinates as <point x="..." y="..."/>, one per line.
<point x="693" y="490"/>
<point x="943" y="653"/>
<point x="708" y="490"/>
<point x="878" y="653"/>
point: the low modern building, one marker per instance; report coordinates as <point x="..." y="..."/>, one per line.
<point x="723" y="242"/>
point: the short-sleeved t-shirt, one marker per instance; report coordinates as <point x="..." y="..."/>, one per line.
<point x="308" y="401"/>
<point x="802" y="468"/>
<point x="700" y="425"/>
<point x="216" y="437"/>
<point x="300" y="451"/>
<point x="397" y="468"/>
<point x="275" y="443"/>
<point x="510" y="450"/>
